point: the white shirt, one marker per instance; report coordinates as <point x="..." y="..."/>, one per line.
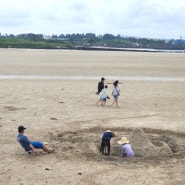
<point x="103" y="93"/>
<point x="116" y="90"/>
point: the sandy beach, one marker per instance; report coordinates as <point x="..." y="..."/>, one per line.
<point x="62" y="112"/>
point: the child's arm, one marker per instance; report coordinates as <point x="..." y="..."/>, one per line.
<point x="31" y="146"/>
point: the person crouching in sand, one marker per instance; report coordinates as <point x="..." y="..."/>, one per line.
<point x="28" y="145"/>
<point x="126" y="150"/>
<point x="105" y="143"/>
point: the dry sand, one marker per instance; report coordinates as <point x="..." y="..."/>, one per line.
<point x="63" y="114"/>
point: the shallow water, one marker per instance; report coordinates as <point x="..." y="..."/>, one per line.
<point x="125" y="78"/>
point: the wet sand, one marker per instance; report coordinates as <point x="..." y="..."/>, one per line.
<point x="156" y="106"/>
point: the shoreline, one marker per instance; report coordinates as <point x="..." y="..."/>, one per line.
<point x="94" y="48"/>
<point x="93" y="78"/>
<point x="99" y="48"/>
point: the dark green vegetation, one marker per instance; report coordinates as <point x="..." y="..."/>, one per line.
<point x="85" y="41"/>
<point x="32" y="41"/>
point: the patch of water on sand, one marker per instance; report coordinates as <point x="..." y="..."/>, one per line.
<point x="125" y="78"/>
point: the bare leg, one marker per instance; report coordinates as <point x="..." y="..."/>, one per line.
<point x="98" y="101"/>
<point x="113" y="102"/>
<point x="49" y="150"/>
<point x="117" y="102"/>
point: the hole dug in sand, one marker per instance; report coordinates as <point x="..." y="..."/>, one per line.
<point x="86" y="143"/>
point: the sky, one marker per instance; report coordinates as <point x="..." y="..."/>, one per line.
<point x="162" y="19"/>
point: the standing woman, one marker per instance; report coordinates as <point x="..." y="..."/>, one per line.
<point x="115" y="93"/>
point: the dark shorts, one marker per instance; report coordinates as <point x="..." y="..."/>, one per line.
<point x="104" y="99"/>
<point x="37" y="144"/>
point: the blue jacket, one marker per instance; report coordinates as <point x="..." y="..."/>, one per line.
<point x="24" y="142"/>
<point x="107" y="135"/>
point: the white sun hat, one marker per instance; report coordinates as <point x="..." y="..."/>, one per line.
<point x="107" y="131"/>
<point x="123" y="140"/>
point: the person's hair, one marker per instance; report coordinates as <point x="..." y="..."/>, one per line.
<point x="106" y="86"/>
<point x="102" y="79"/>
<point x="113" y="134"/>
<point x="115" y="83"/>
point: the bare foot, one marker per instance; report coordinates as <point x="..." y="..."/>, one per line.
<point x="51" y="150"/>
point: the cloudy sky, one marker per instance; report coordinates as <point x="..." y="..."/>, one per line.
<point x="140" y="18"/>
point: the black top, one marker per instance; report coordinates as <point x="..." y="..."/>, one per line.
<point x="100" y="87"/>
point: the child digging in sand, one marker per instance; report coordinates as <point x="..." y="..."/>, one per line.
<point x="126" y="150"/>
<point x="105" y="143"/>
<point x="29" y="145"/>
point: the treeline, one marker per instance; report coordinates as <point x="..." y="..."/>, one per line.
<point x="33" y="41"/>
<point x="75" y="41"/>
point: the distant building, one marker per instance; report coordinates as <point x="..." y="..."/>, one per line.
<point x="135" y="44"/>
<point x="167" y="41"/>
<point x="180" y="41"/>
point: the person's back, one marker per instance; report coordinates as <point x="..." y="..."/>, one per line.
<point x="127" y="150"/>
<point x="106" y="142"/>
<point x="104" y="92"/>
<point x="101" y="85"/>
<point x="115" y="93"/>
<point x="24" y="142"/>
<point x="107" y="136"/>
<point x="29" y="145"/>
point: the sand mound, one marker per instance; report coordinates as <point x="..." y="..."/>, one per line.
<point x="143" y="147"/>
<point x="138" y="138"/>
<point x="85" y="143"/>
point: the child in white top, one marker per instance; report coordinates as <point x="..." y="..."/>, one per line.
<point x="103" y="96"/>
